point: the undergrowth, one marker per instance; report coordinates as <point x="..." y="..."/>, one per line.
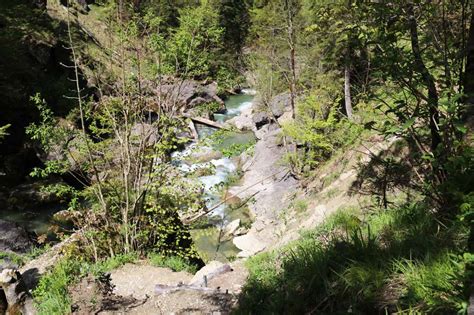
<point x="175" y="263"/>
<point x="52" y="296"/>
<point x="400" y="260"/>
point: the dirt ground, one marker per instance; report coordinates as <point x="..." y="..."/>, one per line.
<point x="131" y="290"/>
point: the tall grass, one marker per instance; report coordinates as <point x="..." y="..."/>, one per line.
<point x="403" y="259"/>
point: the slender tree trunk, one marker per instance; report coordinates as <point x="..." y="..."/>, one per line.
<point x="347" y="71"/>
<point x="468" y="84"/>
<point x="447" y="66"/>
<point x="347" y="91"/>
<point x="291" y="43"/>
<point x="428" y="79"/>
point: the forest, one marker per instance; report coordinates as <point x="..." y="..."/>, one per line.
<point x="236" y="156"/>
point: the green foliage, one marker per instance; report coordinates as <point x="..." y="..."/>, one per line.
<point x="13" y="257"/>
<point x="46" y="132"/>
<point x="175" y="263"/>
<point x="318" y="127"/>
<point x="193" y="46"/>
<point x="118" y="214"/>
<point x="109" y="264"/>
<point x="207" y="109"/>
<point x="21" y="259"/>
<point x="51" y="295"/>
<point x="236" y="149"/>
<point x="433" y="282"/>
<point x="300" y="205"/>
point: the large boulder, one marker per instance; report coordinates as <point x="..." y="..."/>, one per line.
<point x="14" y="238"/>
<point x="40" y="51"/>
<point x="280" y="104"/>
<point x="209" y="271"/>
<point x="260" y="119"/>
<point x="249" y="245"/>
<point x="244" y="121"/>
<point x="231" y="228"/>
<point x="188" y="94"/>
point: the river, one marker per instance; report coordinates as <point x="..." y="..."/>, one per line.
<point x="209" y="238"/>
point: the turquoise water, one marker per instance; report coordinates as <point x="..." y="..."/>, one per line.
<point x="234" y="105"/>
<point x="210" y="242"/>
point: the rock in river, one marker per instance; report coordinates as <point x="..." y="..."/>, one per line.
<point x="13" y="238"/>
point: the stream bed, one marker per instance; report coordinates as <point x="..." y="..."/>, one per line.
<point x="220" y="172"/>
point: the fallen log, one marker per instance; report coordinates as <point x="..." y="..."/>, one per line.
<point x="205" y="121"/>
<point x="165" y="289"/>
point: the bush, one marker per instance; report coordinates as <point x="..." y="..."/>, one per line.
<point x="175" y="263"/>
<point x="319" y="129"/>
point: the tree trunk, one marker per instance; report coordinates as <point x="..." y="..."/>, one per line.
<point x="347" y="70"/>
<point x="428" y="79"/>
<point x="347" y="91"/>
<point x="291" y="43"/>
<point x="469" y="73"/>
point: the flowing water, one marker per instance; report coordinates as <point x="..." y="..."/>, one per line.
<point x="209" y="239"/>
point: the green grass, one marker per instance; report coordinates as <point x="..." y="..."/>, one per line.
<point x="300" y="205"/>
<point x="236" y="149"/>
<point x="13" y="257"/>
<point x="401" y="259"/>
<point x="21" y="259"/>
<point x="52" y="297"/>
<point x="175" y="263"/>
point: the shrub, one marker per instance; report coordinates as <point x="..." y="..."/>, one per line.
<point x="175" y="263"/>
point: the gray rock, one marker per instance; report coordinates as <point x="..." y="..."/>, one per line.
<point x="40" y="51"/>
<point x="198" y="101"/>
<point x="262" y="132"/>
<point x="244" y="121"/>
<point x="211" y="270"/>
<point x="241" y="231"/>
<point x="280" y="104"/>
<point x="13" y="238"/>
<point x="285" y="118"/>
<point x="249" y="245"/>
<point x="231" y="228"/>
<point x="260" y="119"/>
<point x="188" y="94"/>
<point x="31" y="195"/>
<point x="144" y="132"/>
